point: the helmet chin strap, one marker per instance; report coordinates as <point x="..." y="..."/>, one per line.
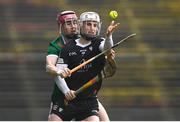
<point x="67" y="38"/>
<point x="74" y="36"/>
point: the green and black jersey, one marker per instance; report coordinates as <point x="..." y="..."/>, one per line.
<point x="54" y="49"/>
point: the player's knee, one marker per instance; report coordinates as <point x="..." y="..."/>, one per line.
<point x="92" y="118"/>
<point x="53" y="117"/>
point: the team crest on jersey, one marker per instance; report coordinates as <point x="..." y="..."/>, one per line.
<point x="90" y="48"/>
<point x="83" y="51"/>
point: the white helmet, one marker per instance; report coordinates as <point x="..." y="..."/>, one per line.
<point x="90" y="16"/>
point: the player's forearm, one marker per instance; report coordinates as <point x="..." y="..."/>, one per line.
<point x="61" y="83"/>
<point x="51" y="64"/>
<point x="52" y="69"/>
<point x="108" y="43"/>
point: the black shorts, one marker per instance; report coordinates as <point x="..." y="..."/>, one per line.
<point x="76" y="109"/>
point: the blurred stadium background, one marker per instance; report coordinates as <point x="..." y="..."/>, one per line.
<point x="146" y="85"/>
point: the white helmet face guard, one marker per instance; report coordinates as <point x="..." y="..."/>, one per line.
<point x="90" y="16"/>
<point x="84" y="29"/>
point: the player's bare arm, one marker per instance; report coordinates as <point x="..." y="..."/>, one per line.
<point x="51" y="67"/>
<point x="51" y="64"/>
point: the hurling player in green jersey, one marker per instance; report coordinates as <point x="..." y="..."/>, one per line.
<point x="68" y="30"/>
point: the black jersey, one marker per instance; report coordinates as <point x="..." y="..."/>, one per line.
<point x="73" y="55"/>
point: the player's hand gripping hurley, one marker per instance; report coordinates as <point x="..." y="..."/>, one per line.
<point x="93" y="58"/>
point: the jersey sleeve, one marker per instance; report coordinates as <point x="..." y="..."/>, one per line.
<point x="52" y="50"/>
<point x="106" y="43"/>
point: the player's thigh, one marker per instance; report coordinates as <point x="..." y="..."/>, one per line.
<point x="88" y="110"/>
<point x="58" y="111"/>
<point x="92" y="118"/>
<point x="103" y="116"/>
<point x="54" y="117"/>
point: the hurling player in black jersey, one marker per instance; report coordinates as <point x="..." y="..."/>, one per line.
<point x="85" y="104"/>
<point x="68" y="30"/>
